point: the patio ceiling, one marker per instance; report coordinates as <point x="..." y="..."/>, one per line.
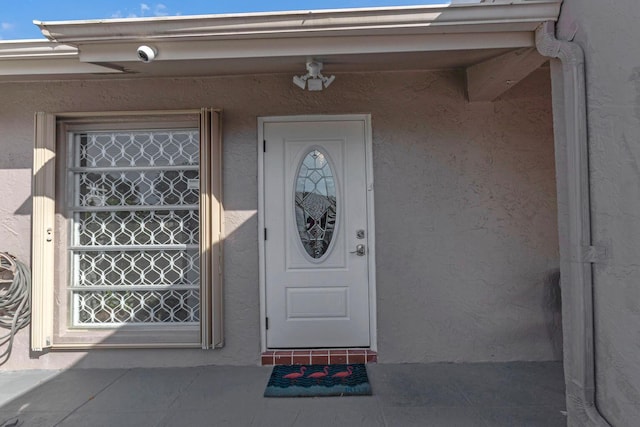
<point x="493" y="41"/>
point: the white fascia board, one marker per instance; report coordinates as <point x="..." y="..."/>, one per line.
<point x="44" y="57"/>
<point x="51" y="66"/>
<point x="26" y="49"/>
<point x="316" y="46"/>
<point x="370" y="21"/>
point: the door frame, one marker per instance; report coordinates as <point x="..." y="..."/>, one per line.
<point x="366" y="119"/>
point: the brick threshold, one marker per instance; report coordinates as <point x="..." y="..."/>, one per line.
<point x="318" y="357"/>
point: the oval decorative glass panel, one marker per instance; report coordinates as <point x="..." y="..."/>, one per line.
<point x="315" y="203"/>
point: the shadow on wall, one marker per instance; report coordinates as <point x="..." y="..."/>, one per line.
<point x="25" y="208"/>
<point x="552" y="307"/>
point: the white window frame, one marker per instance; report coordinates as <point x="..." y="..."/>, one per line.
<point x="50" y="326"/>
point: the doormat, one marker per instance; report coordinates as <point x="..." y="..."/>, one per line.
<point x="318" y="380"/>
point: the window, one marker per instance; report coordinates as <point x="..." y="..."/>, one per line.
<point x="127" y="242"/>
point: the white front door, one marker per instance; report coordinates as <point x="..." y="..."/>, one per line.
<point x="317" y="233"/>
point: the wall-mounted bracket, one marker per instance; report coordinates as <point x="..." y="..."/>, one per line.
<point x="594" y="254"/>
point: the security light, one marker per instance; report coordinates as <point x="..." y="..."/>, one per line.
<point x="314" y="84"/>
<point x="300" y="81"/>
<point x="328" y="80"/>
<point x="313" y="80"/>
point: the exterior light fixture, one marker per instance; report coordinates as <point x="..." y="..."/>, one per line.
<point x="313" y="80"/>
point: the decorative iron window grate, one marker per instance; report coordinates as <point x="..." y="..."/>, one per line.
<point x="136" y="225"/>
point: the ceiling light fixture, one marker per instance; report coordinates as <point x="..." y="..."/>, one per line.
<point x="313" y="80"/>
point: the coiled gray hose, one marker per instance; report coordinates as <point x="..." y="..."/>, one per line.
<point x="15" y="302"/>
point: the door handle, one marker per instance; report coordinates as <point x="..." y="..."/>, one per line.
<point x="360" y="250"/>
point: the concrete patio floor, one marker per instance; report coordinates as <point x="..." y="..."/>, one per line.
<point x="486" y="394"/>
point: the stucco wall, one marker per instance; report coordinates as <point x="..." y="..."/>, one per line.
<point x="465" y="207"/>
<point x="608" y="33"/>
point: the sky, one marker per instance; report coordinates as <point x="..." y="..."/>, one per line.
<point x="16" y="16"/>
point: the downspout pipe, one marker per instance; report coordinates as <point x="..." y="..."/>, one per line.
<point x="574" y="224"/>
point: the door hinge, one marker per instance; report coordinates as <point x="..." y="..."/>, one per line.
<point x="264" y="145"/>
<point x="265" y="234"/>
<point x="267" y="322"/>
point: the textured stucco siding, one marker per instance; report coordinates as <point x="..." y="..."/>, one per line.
<point x="608" y="33"/>
<point x="467" y="247"/>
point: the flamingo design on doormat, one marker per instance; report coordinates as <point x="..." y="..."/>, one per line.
<point x="343" y="374"/>
<point x="319" y="375"/>
<point x="295" y="375"/>
<point x="318" y="380"/>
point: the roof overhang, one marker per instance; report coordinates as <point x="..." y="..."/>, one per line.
<point x="29" y="59"/>
<point x="414" y="37"/>
<point x="497" y="16"/>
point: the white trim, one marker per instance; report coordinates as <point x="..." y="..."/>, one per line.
<point x="525" y="14"/>
<point x="43" y="57"/>
<point x="44" y="241"/>
<point x="99" y="346"/>
<point x="371" y="238"/>
<point x="217" y="226"/>
<point x="366" y="119"/>
<point x="175" y="50"/>
<point x="206" y="232"/>
<point x="35" y="49"/>
<point x="261" y="267"/>
<point x="52" y="66"/>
